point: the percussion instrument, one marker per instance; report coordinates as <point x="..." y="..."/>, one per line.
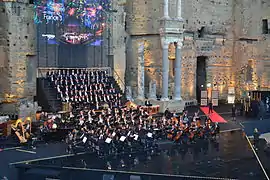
<point x="66" y="106"/>
<point x="151" y="110"/>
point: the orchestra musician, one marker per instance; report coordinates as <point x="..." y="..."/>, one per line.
<point x="147" y="103"/>
<point x="210" y="106"/>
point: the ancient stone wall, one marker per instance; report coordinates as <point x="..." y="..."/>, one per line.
<point x="232" y="39"/>
<point x="119" y="42"/>
<point x="18" y="50"/>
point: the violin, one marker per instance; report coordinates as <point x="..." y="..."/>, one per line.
<point x="169" y="135"/>
<point x="178" y="135"/>
<point x="174" y="120"/>
<point x="198" y="123"/>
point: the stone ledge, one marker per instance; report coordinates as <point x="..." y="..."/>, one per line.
<point x="173" y="105"/>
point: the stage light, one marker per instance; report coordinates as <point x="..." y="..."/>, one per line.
<point x="122" y="163"/>
<point x="136" y="161"/>
<point x="109" y="167"/>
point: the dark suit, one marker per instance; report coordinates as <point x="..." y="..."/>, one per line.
<point x="210" y="105"/>
<point x="147" y="103"/>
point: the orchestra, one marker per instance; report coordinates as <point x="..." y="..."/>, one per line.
<point x="126" y="129"/>
<point x="113" y="128"/>
<point x="123" y="129"/>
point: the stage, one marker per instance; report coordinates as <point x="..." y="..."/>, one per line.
<point x="230" y="157"/>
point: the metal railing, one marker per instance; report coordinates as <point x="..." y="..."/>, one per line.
<point x="119" y="81"/>
<point x="41" y="72"/>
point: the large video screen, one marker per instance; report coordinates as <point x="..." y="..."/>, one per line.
<point x="72" y="21"/>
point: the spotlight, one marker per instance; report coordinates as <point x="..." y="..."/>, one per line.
<point x="136" y="161"/>
<point x="109" y="167"/>
<point x="122" y="163"/>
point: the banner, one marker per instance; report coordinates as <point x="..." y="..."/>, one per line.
<point x="204" y="94"/>
<point x="215" y="102"/>
<point x="204" y="102"/>
<point x="215" y="94"/>
<point x="231" y="90"/>
<point x="231" y="99"/>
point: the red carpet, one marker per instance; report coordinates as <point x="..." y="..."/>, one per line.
<point x="215" y="117"/>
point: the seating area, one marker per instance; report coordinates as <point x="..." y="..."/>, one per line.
<point x="85" y="88"/>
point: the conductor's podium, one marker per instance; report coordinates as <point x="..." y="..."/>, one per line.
<point x="151" y="110"/>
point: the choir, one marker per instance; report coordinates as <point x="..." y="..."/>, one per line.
<point x="85" y="88"/>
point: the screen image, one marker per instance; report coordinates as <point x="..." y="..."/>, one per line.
<point x="72" y="21"/>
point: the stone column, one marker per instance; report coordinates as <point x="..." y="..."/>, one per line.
<point x="166" y="9"/>
<point x="165" y="70"/>
<point x="152" y="90"/>
<point x="129" y="93"/>
<point x="179" y="9"/>
<point x="178" y="72"/>
<point x="140" y="70"/>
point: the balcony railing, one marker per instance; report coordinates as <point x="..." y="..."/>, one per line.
<point x="41" y="72"/>
<point x="119" y="81"/>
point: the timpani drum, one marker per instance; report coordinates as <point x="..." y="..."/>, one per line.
<point x="151" y="109"/>
<point x="66" y="106"/>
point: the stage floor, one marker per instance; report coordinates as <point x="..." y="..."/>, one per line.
<point x="230" y="157"/>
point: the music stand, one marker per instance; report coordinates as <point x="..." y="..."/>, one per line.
<point x="136" y="137"/>
<point x="150" y="135"/>
<point x="84" y="139"/>
<point x="108" y="140"/>
<point x="122" y="138"/>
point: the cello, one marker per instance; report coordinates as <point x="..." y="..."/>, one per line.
<point x="178" y="135"/>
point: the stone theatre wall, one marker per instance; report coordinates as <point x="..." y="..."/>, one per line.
<point x="232" y="40"/>
<point x="18" y="51"/>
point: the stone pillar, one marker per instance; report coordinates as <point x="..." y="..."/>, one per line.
<point x="129" y="93"/>
<point x="140" y="70"/>
<point x="179" y="9"/>
<point x="166" y="9"/>
<point x="178" y="73"/>
<point x="153" y="90"/>
<point x="165" y="71"/>
<point x="28" y="109"/>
